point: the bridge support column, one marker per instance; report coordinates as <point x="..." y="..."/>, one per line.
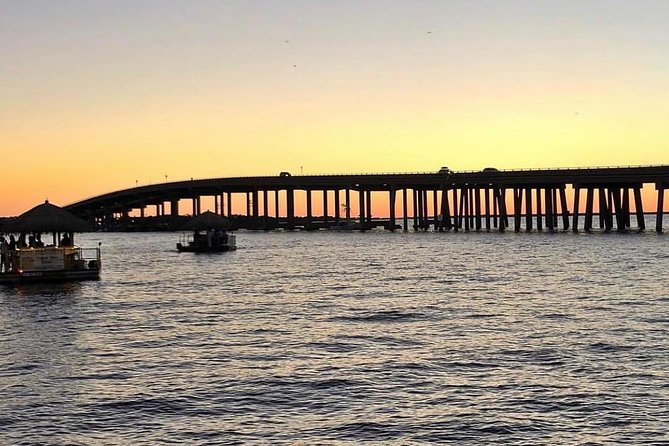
<point x="638" y="206"/>
<point x="477" y="208"/>
<point x="415" y="209"/>
<point x="256" y="211"/>
<point x="660" y="209"/>
<point x="626" y="207"/>
<point x="506" y="210"/>
<point x="391" y="208"/>
<point x="554" y="199"/>
<point x="290" y="209"/>
<point x="487" y="208"/>
<point x="610" y="208"/>
<point x="621" y="219"/>
<point x="495" y="208"/>
<point x="325" y="208"/>
<point x="276" y="206"/>
<point x="445" y="211"/>
<point x="337" y="214"/>
<point x="368" y="206"/>
<point x="589" y="199"/>
<point x="174" y="208"/>
<point x="602" y="208"/>
<point x="470" y="201"/>
<point x="517" y="213"/>
<point x="503" y="215"/>
<point x="528" y="209"/>
<point x="577" y="195"/>
<point x="435" y="214"/>
<point x="549" y="209"/>
<point x="348" y="205"/>
<point x="405" y="211"/>
<point x="540" y="213"/>
<point x="466" y="200"/>
<point x="564" y="208"/>
<point x="229" y="203"/>
<point x="265" y="210"/>
<point x="309" y="216"/>
<point x="456" y="214"/>
<point x="361" y="207"/>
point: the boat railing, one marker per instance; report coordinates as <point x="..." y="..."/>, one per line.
<point x="186" y="239"/>
<point x="50" y="258"/>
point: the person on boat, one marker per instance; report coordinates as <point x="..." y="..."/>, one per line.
<point x="21" y="243"/>
<point x="12" y="243"/>
<point x="219" y="237"/>
<point x="66" y="240"/>
<point x="38" y="241"/>
<point x="4" y="254"/>
<point x="31" y="241"/>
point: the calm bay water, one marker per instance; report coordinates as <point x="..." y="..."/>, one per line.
<point x="345" y="338"/>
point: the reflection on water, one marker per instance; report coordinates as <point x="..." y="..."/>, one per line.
<point x="320" y="338"/>
<point x="45" y="290"/>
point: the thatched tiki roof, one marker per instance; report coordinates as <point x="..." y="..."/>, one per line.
<point x="207" y="220"/>
<point x="47" y="217"/>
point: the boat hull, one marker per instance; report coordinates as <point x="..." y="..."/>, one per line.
<point x="188" y="248"/>
<point x="50" y="276"/>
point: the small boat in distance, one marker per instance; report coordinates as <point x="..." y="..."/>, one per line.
<point x="346" y="226"/>
<point x="209" y="235"/>
<point x="35" y="261"/>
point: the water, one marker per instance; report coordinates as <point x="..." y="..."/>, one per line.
<point x="346" y="338"/>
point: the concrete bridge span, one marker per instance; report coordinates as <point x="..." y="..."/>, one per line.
<point x="530" y="199"/>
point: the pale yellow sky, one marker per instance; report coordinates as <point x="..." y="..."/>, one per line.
<point x="96" y="96"/>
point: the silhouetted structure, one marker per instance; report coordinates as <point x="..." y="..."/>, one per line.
<point x="443" y="200"/>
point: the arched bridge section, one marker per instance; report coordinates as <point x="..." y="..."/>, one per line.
<point x="530" y="199"/>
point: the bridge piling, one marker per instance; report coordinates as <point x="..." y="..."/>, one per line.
<point x="621" y="220"/>
<point x="564" y="208"/>
<point x="487" y="207"/>
<point x="549" y="209"/>
<point x="660" y="209"/>
<point x="265" y="209"/>
<point x="435" y="214"/>
<point x="638" y="206"/>
<point x="517" y="202"/>
<point x="577" y="195"/>
<point x="456" y="211"/>
<point x="528" y="209"/>
<point x="405" y="213"/>
<point x="337" y="214"/>
<point x="391" y="201"/>
<point x="368" y="203"/>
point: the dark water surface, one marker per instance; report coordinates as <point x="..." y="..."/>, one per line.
<point x="346" y="338"/>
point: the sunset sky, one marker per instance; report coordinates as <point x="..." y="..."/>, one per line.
<point x="97" y="96"/>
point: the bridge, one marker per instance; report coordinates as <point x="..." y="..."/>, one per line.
<point x="490" y="199"/>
